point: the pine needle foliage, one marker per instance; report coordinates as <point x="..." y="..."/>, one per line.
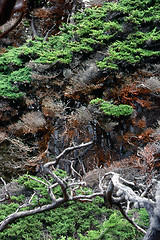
<point x="117" y="228"/>
<point x="67" y="220"/>
<point x="111" y="109"/>
<point x="127" y="32"/>
<point x="90" y="220"/>
<point x="10" y="83"/>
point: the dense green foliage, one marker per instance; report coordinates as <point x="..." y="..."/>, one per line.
<point x="10" y="83"/>
<point x="131" y="50"/>
<point x="68" y="221"/>
<point x="126" y="31"/>
<point x="110" y="109"/>
<point x="115" y="228"/>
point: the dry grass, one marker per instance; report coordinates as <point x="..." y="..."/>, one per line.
<point x="30" y="123"/>
<point x="53" y="108"/>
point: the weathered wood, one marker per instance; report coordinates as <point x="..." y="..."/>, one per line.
<point x="7" y="8"/>
<point x="153" y="232"/>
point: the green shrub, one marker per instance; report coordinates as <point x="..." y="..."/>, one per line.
<point x="89" y="220"/>
<point x="131" y="50"/>
<point x="118" y="228"/>
<point x="68" y="220"/>
<point x="99" y="28"/>
<point x="110" y="109"/>
<point x="10" y="83"/>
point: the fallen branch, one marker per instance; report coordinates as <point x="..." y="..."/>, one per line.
<point x="7" y="195"/>
<point x="117" y="193"/>
<point x="66" y="151"/>
<point x="67" y="189"/>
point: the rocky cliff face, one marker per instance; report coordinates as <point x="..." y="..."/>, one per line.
<point x="40" y="121"/>
<point x="54" y="110"/>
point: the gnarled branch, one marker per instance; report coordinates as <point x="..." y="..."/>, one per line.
<point x="67" y="188"/>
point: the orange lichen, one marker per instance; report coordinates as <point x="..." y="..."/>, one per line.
<point x="141" y="123"/>
<point x="130" y="93"/>
<point x="146" y="136"/>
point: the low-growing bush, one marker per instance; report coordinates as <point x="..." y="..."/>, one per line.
<point x="111" y="109"/>
<point x="90" y="220"/>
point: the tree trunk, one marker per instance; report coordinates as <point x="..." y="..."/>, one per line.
<point x="153" y="232"/>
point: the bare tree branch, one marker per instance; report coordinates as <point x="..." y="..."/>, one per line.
<point x="67" y="189"/>
<point x="12" y="217"/>
<point x="125" y="193"/>
<point x="65" y="151"/>
<point x="48" y="185"/>
<point x="33" y="27"/>
<point x="117" y="191"/>
<point x="55" y="204"/>
<point x="153" y="232"/>
<point x="7" y="195"/>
